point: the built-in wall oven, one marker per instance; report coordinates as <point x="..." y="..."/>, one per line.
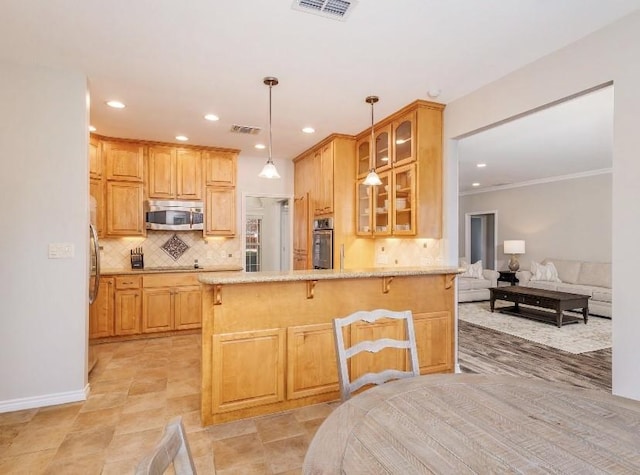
<point x="322" y="243"/>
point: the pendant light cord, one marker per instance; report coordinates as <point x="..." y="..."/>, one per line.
<point x="372" y="141"/>
<point x="270" y="86"/>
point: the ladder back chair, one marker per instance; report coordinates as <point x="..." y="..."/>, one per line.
<point x="173" y="448"/>
<point x="373" y="346"/>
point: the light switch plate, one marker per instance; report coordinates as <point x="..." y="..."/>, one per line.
<point x="61" y="250"/>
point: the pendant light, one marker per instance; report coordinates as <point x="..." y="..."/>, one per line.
<point x="372" y="178"/>
<point x="269" y="170"/>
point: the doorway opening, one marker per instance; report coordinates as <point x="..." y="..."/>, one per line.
<point x="481" y="235"/>
<point x="266" y="229"/>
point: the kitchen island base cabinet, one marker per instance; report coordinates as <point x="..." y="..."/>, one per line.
<point x="268" y="346"/>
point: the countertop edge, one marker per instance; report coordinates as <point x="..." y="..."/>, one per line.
<point x="210" y="269"/>
<point x="310" y="275"/>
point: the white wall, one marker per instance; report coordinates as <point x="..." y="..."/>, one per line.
<point x="610" y="54"/>
<point x="44" y="195"/>
<point x="568" y="219"/>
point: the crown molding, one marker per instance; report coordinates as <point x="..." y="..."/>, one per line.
<point x="602" y="171"/>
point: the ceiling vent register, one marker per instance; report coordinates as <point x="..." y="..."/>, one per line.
<point x="245" y="129"/>
<point x="334" y="9"/>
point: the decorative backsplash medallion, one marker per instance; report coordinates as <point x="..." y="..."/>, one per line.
<point x="175" y="247"/>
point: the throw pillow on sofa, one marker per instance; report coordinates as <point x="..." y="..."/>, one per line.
<point x="546" y="272"/>
<point x="474" y="271"/>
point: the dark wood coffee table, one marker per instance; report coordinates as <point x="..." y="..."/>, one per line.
<point x="558" y="301"/>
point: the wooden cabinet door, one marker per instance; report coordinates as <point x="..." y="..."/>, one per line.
<point x="188" y="175"/>
<point x="300" y="260"/>
<point x="96" y="193"/>
<point x="311" y="361"/>
<point x="434" y="341"/>
<point x="101" y="311"/>
<point x="382" y="148"/>
<point x="403" y="198"/>
<point x="127" y="312"/>
<point x="301" y="224"/>
<point x="248" y="369"/>
<point x="219" y="168"/>
<point x="124" y="160"/>
<point x="95" y="158"/>
<point x="125" y="214"/>
<point x="188" y="307"/>
<point x="220" y="212"/>
<point x="326" y="179"/>
<point x="161" y="166"/>
<point x="316" y="190"/>
<point x="363" y="157"/>
<point x="157" y="310"/>
<point x="404" y="139"/>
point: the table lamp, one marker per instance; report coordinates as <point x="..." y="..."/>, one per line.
<point x="514" y="248"/>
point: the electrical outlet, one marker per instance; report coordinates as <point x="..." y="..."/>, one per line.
<point x="61" y="250"/>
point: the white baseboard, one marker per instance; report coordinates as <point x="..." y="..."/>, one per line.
<point x="456" y="369"/>
<point x="43" y="401"/>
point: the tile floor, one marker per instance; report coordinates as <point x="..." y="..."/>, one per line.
<point x="136" y="387"/>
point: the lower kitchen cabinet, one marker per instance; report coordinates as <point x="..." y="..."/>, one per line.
<point x="249" y="369"/>
<point x="142" y="304"/>
<point x="171" y="302"/>
<point x="101" y="310"/>
<point x="128" y="306"/>
<point x="434" y="332"/>
<point x="312" y="366"/>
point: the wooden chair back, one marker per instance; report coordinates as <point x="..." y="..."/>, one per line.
<point x="173" y="448"/>
<point x="373" y="346"/>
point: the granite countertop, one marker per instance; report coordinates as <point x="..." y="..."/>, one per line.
<point x="305" y="275"/>
<point x="171" y="269"/>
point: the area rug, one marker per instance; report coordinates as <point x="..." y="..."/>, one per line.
<point x="574" y="338"/>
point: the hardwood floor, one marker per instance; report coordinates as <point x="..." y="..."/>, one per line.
<point x="482" y="350"/>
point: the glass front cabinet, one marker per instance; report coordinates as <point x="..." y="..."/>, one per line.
<point x="406" y="144"/>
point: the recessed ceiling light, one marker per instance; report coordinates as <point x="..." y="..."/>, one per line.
<point x="308" y="130"/>
<point x="92" y="128"/>
<point x="475" y="184"/>
<point x="260" y="146"/>
<point x="211" y="117"/>
<point x="116" y="104"/>
<point x="481" y="165"/>
<point x="182" y="138"/>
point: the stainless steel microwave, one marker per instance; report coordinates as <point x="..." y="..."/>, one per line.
<point x="174" y="215"/>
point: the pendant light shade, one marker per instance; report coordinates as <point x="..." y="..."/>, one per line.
<point x="269" y="169"/>
<point x="372" y="178"/>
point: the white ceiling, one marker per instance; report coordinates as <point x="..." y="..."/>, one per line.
<point x="173" y="61"/>
<point x="571" y="138"/>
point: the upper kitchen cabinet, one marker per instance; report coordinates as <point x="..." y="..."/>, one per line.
<point x="323" y="168"/>
<point x="409" y="202"/>
<point x="95" y="158"/>
<point x="125" y="214"/>
<point x="382" y="150"/>
<point x="174" y="173"/>
<point x="219" y="168"/>
<point x="363" y="154"/>
<point x="220" y="174"/>
<point x="403" y="140"/>
<point x="220" y="211"/>
<point x="124" y="160"/>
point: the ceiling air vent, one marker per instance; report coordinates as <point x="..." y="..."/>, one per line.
<point x="335" y="9"/>
<point x="245" y="129"/>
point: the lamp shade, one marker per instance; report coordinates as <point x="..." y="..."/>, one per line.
<point x="514" y="247"/>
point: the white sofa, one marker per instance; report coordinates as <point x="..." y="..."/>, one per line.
<point x="471" y="289"/>
<point x="578" y="277"/>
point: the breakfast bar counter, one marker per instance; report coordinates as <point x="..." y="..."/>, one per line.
<point x="267" y="337"/>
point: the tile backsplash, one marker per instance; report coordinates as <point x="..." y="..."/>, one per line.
<point x="395" y="252"/>
<point x="116" y="253"/>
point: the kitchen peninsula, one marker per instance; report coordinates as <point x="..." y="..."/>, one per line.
<point x="267" y="337"/>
